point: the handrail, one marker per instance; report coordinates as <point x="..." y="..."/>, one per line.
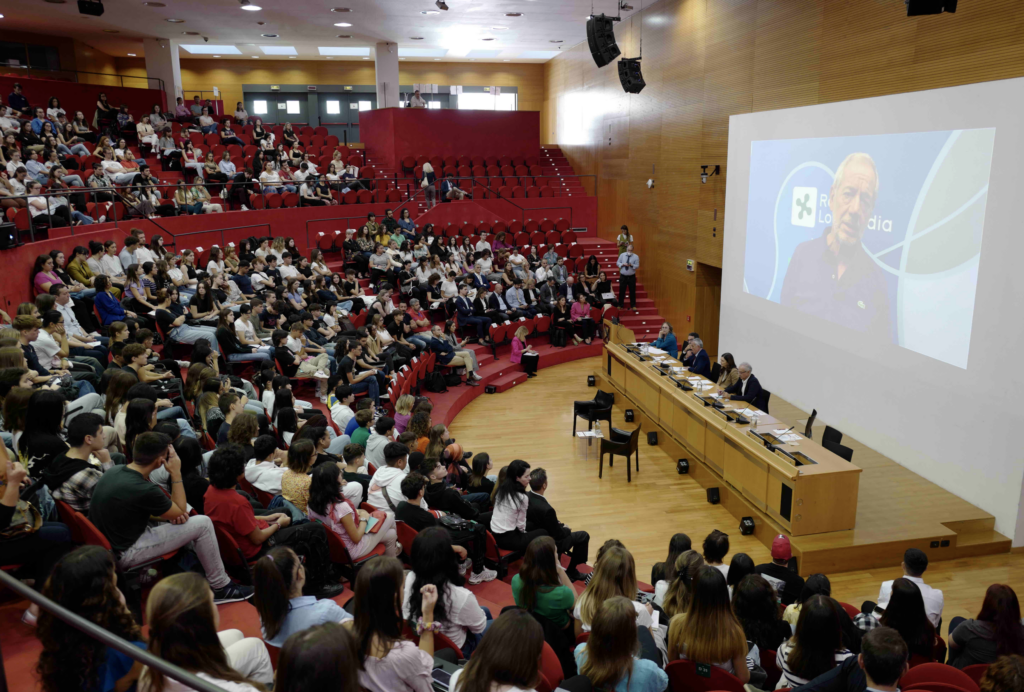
<point x="75" y="73"/>
<point x="103" y="636"/>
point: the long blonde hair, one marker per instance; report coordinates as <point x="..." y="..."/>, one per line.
<point x="612" y="644"/>
<point x="404" y="404"/>
<point x="614" y="575"/>
<point x="521" y="334"/>
<point x="680" y="591"/>
<point x="709" y="632"/>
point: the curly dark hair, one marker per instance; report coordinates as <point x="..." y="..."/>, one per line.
<point x="83" y="582"/>
<point x="419" y="425"/>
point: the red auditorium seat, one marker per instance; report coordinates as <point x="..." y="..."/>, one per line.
<point x="450" y="231"/>
<point x="417" y="172"/>
<point x="212" y="139"/>
<point x="469" y="228"/>
<point x="437" y="163"/>
<point x="473" y="240"/>
<point x="480" y="192"/>
<point x="420" y="160"/>
<point x="307" y="131"/>
<point x="575" y="251"/>
<point x="368" y="172"/>
<point x="547" y="225"/>
<point x="532" y="161"/>
<point x="515" y="227"/>
<point x="365" y="196"/>
<point x="508" y="171"/>
<point x="532" y="227"/>
<point x="483" y="227"/>
<point x="465" y="171"/>
<point x="322" y="131"/>
<point x="479" y="171"/>
<point x="493" y="171"/>
<point x="562" y="250"/>
<point x="467" y="231"/>
<point x="451" y="161"/>
<point x="518" y="160"/>
<point x="533" y="192"/>
<point x="342" y="149"/>
<point x="522" y="240"/>
<point x="505" y="191"/>
<point x="478" y="161"/>
<point x="273" y="200"/>
<point x="256" y="202"/>
<point x="465" y="161"/>
<point x="355" y="160"/>
<point x="408" y="164"/>
<point x="552" y="237"/>
<point x="547" y="192"/>
<point x="505" y="161"/>
<point x="499" y="227"/>
<point x="492" y="160"/>
<point x="562" y="225"/>
<point x="569" y="237"/>
<point x="351" y="197"/>
<point x="522" y="170"/>
<point x="536" y="237"/>
<point x="318" y="140"/>
<point x="394" y="196"/>
<point x="332" y="141"/>
<point x="536" y="170"/>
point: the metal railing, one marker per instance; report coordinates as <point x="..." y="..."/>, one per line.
<point x="103" y="636"/>
<point x="73" y="75"/>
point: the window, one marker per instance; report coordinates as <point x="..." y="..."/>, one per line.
<point x="333" y="107"/>
<point x="29" y="55"/>
<point x="434" y="105"/>
<point x="259" y="107"/>
<point x="293" y="107"/>
<point x="365" y="105"/>
<point x="487" y="102"/>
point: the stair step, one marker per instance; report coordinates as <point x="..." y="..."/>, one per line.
<point x="508" y="381"/>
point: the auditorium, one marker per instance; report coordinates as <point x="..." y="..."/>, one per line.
<point x="322" y="329"/>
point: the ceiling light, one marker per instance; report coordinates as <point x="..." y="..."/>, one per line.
<point x="248" y="6"/>
<point x="555" y="41"/>
<point x="499" y="28"/>
<point x="111" y="31"/>
<point x="365" y="58"/>
<point x="270" y="35"/>
<point x="279" y="50"/>
<point x="343" y="24"/>
<point x="175" y="21"/>
<point x="429" y="12"/>
<point x="416" y="38"/>
<point x="344" y="35"/>
<point x="437" y="59"/>
<point x="216" y="56"/>
<point x="130" y="55"/>
<point x="147" y="4"/>
<point x="291" y="57"/>
<point x="260" y="23"/>
<point x="441" y="5"/>
<point x="513" y="14"/>
<point x="205" y="49"/>
<point x="487" y="39"/>
<point x="401" y="58"/>
<point x="340" y="9"/>
<point x="190" y="33"/>
<point x="255" y="57"/>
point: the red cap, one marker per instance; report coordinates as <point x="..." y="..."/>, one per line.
<point x="781" y="550"/>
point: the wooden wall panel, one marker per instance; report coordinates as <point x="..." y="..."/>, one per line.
<point x="705" y="60"/>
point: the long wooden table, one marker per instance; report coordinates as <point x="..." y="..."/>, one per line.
<point x="802" y="486"/>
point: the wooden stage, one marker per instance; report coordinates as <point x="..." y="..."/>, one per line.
<point x="897" y="509"/>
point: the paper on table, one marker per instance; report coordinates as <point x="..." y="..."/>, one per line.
<point x="745" y="411"/>
<point x="589" y="433"/>
<point x="791" y="437"/>
<point x="656" y="351"/>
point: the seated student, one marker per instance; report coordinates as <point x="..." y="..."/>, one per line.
<point x="295" y="481"/>
<point x="541" y="515"/>
<point x="361" y="432"/>
<point x="472" y="542"/>
<point x="997" y="631"/>
<point x="183" y="623"/>
<point x="508" y="657"/>
<point x="329" y="503"/>
<point x="817" y="645"/>
<point x="295" y="358"/>
<point x="231" y="405"/>
<point x="386" y="484"/>
<point x="389" y="662"/>
<point x="609" y="658"/>
<point x="818" y="584"/>
<point x="435" y="561"/>
<point x="321" y="657"/>
<point x="614" y="575"/>
<point x="915" y="562"/>
<point x="265" y="469"/>
<point x="362" y="404"/>
<point x="788" y="584"/>
<point x="508" y="521"/>
<point x="716" y="547"/>
<point x="192" y="469"/>
<point x="85" y="583"/>
<point x="72" y="475"/>
<point x="124" y="500"/>
<point x="542" y="586"/>
<point x="341" y="406"/>
<point x="381" y="434"/>
<point x="665" y="571"/>
<point x="440" y="495"/>
<point x="234" y="514"/>
<point x="279" y="577"/>
<point x="755" y="604"/>
<point x="478" y="480"/>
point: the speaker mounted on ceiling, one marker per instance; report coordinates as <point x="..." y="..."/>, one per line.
<point x="630" y="77"/>
<point x="601" y="38"/>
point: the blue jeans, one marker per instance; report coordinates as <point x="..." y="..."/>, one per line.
<point x="79" y="216"/>
<point x="77" y="150"/>
<point x="209" y="130"/>
<point x="87" y="293"/>
<point x="298" y="517"/>
<point x="369" y="385"/>
<point x="248" y="357"/>
<point x="472" y="638"/>
<point x="85" y="388"/>
<point x="417" y="341"/>
<point x="187" y="334"/>
<point x="172" y="413"/>
<point x="99" y="353"/>
<point x="196" y="208"/>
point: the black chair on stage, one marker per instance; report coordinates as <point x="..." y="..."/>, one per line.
<point x="838" y="449"/>
<point x="810" y="423"/>
<point x="716" y="371"/>
<point x="762" y="401"/>
<point x="831" y="435"/>
<point x="597" y="409"/>
<point x="623" y="443"/>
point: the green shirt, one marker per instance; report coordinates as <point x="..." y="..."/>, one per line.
<point x="553" y="602"/>
<point x="360" y="436"/>
<point x="122" y="504"/>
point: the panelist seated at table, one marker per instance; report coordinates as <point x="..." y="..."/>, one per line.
<point x="747" y="389"/>
<point x="701" y="363"/>
<point x="687" y="351"/>
<point x="666" y="340"/>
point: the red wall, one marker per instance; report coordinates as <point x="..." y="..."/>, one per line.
<point x="391" y="134"/>
<point x="83" y="97"/>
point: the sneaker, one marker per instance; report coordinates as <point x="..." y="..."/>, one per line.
<point x="103" y="217"/>
<point x="183" y="363"/>
<point x="323" y="398"/>
<point x="231" y="593"/>
<point x="224" y="194"/>
<point x="484" y="575"/>
<point x="321" y="375"/>
<point x="245" y="208"/>
<point x="465" y="566"/>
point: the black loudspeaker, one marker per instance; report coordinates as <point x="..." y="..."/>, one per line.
<point x="746" y="526"/>
<point x="682" y="466"/>
<point x="591" y="381"/>
<point x="629" y="415"/>
<point x="919" y="7"/>
<point x="713" y="496"/>
<point x="630" y="77"/>
<point x="652" y="438"/>
<point x="93" y="8"/>
<point x="9" y="236"/>
<point x="490" y="389"/>
<point x="601" y="37"/>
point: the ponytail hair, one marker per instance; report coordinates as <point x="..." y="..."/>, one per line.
<point x="273" y="577"/>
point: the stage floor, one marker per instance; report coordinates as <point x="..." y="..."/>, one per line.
<point x="896" y="508"/>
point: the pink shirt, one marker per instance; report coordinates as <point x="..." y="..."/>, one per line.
<point x="43" y="278"/>
<point x="407" y="667"/>
<point x="579" y="311"/>
<point x="335" y="514"/>
<point x="517" y="351"/>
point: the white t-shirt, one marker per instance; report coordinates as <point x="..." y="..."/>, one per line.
<point x="245" y="330"/>
<point x="294" y="345"/>
<point x="268" y="178"/>
<point x="46" y="349"/>
<point x="342" y="414"/>
<point x="461" y="607"/>
<point x="643" y="618"/>
<point x="288" y="271"/>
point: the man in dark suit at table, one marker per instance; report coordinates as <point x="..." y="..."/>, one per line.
<point x="541" y="515"/>
<point x="701" y="363"/>
<point x="748" y="389"/>
<point x="686" y="352"/>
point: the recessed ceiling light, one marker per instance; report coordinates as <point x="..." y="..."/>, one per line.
<point x="429" y="12"/>
<point x="365" y="58"/>
<point x="131" y="55"/>
<point x="147" y="4"/>
<point x="255" y="57"/>
<point x="487" y="39"/>
<point x="330" y="58"/>
<point x="175" y="21"/>
<point x="292" y="57"/>
<point x="513" y="14"/>
<point x="437" y="59"/>
<point x="190" y="33"/>
<point x="340" y="9"/>
<point x="111" y="31"/>
<point x="344" y="35"/>
<point x="251" y="8"/>
<point x="401" y="58"/>
<point x="270" y="35"/>
<point x="416" y="38"/>
<point x="499" y="28"/>
<point x="343" y="24"/>
<point x="555" y="41"/>
<point x="216" y="56"/>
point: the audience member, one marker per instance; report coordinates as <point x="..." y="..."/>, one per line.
<point x="508" y="521"/>
<point x="716" y="547"/>
<point x="541" y="515"/>
<point x="740" y="566"/>
<point x="906" y="614"/>
<point x="319" y="658"/>
<point x="674" y="597"/>
<point x="1005" y="675"/>
<point x="295" y="481"/>
<point x="817" y="645"/>
<point x="508" y="657"/>
<point x="788" y="584"/>
<point x="331" y="506"/>
<point x="997" y="631"/>
<point x="915" y="562"/>
<point x="610" y="656"/>
<point x="666" y="571"/>
<point x="614" y="575"/>
<point x="755" y="604"/>
<point x="816" y="585"/>
<point x="542" y="587"/>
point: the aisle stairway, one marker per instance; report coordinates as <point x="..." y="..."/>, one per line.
<point x="646" y="321"/>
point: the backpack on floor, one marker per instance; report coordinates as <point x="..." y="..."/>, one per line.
<point x="435" y="383"/>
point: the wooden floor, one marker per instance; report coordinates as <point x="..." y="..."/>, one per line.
<point x="533" y="421"/>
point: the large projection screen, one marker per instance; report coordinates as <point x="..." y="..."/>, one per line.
<point x="873" y="269"/>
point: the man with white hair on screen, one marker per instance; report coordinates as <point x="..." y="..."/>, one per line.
<point x="832" y="276"/>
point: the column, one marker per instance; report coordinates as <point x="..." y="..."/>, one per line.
<point x="387" y="75"/>
<point x="162" y="63"/>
